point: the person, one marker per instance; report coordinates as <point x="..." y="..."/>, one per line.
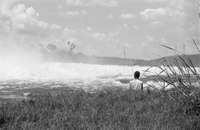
<point x="136" y="83"/>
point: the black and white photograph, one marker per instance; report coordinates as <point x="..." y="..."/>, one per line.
<point x="99" y="64"/>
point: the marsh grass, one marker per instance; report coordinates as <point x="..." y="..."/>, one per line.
<point x="115" y="109"/>
<point x="181" y="75"/>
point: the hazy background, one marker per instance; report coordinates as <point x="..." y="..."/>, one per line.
<point x="98" y="27"/>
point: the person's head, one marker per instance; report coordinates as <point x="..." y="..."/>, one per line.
<point x="137" y="75"/>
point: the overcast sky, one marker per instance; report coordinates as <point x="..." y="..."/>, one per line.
<point x="102" y="27"/>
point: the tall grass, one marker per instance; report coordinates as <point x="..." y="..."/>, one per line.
<point x="103" y="110"/>
<point x="182" y="76"/>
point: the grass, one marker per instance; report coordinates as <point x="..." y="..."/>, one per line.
<point x="181" y="74"/>
<point x="113" y="109"/>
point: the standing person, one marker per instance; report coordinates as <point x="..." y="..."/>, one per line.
<point x="136" y="83"/>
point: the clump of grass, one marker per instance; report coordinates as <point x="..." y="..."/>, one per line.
<point x="115" y="109"/>
<point x="181" y="75"/>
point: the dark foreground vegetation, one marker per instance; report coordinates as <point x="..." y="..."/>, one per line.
<point x="113" y="109"/>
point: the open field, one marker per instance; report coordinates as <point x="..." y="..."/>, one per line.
<point x="108" y="109"/>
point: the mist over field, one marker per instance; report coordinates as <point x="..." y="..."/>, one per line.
<point x="18" y="68"/>
<point x="25" y="64"/>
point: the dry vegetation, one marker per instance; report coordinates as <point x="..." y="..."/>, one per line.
<point x="105" y="110"/>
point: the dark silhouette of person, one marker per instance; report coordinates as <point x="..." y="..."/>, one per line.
<point x="136" y="83"/>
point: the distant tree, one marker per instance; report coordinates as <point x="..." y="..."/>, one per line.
<point x="71" y="45"/>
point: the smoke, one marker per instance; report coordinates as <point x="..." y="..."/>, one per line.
<point x="21" y="31"/>
<point x="16" y="57"/>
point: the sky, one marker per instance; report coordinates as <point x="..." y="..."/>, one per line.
<point x="102" y="27"/>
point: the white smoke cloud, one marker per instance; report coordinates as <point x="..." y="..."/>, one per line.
<point x="20" y="30"/>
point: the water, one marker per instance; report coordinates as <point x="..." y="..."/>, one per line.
<point x="86" y="76"/>
<point x="72" y="74"/>
<point x="18" y="79"/>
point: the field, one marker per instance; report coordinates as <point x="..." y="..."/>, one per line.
<point x="107" y="109"/>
